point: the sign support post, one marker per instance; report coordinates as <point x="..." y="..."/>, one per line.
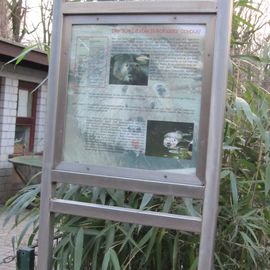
<point x="219" y="82"/>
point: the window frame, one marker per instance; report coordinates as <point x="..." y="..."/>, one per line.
<point x="28" y="121"/>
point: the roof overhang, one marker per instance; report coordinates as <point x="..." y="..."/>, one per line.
<point x="35" y="59"/>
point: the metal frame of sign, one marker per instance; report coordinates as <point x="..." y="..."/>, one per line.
<point x="204" y="184"/>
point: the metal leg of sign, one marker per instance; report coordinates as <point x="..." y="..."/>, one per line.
<point x="46" y="227"/>
<point x="219" y="82"/>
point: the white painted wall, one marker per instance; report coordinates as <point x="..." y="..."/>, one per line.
<point x="8" y="105"/>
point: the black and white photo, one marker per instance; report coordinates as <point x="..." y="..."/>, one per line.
<point x="129" y="69"/>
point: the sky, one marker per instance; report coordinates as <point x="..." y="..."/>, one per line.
<point x="34" y="18"/>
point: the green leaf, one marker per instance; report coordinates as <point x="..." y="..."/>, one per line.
<point x="106" y="260"/>
<point x="34" y="177"/>
<point x="33" y="235"/>
<point x="218" y="260"/>
<point x="267" y="179"/>
<point x="96" y="192"/>
<point x="26" y="228"/>
<point x="241" y="104"/>
<point x="78" y="249"/>
<point x="168" y="204"/>
<point x="67" y="225"/>
<point x="39" y="85"/>
<point x="145" y="200"/>
<point x="95" y="254"/>
<point x="194" y="265"/>
<point x="253" y="233"/>
<point x="248" y="57"/>
<point x="19" y="202"/>
<point x="73" y="189"/>
<point x="175" y="251"/>
<point x="22" y="55"/>
<point x="162" y="233"/>
<point x="115" y="260"/>
<point x="239" y="19"/>
<point x="267" y="145"/>
<point x="147" y="237"/>
<point x="13" y="241"/>
<point x="250" y="246"/>
<point x="262" y="93"/>
<point x="105" y="230"/>
<point x="48" y="51"/>
<point x="62" y="243"/>
<point x="129" y="238"/>
<point x="230" y="148"/>
<point x="102" y="196"/>
<point x="224" y="173"/>
<point x="240" y="3"/>
<point x="91" y="232"/>
<point x="64" y="259"/>
<point x="110" y="238"/>
<point x="118" y="196"/>
<point x="191" y="210"/>
<point x="246" y="4"/>
<point x="151" y="243"/>
<point x="234" y="188"/>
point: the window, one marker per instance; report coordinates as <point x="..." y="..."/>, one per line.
<point x="26" y="117"/>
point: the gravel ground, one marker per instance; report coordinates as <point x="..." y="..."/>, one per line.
<point x="6" y="234"/>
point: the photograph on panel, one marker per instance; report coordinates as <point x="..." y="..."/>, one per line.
<point x="169" y="139"/>
<point x="129" y="69"/>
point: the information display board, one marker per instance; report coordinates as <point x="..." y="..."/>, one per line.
<point x="134" y="94"/>
<point x="136" y="103"/>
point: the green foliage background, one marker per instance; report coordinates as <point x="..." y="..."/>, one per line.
<point x="243" y="229"/>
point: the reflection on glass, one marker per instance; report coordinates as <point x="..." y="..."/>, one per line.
<point x="24" y="103"/>
<point x="22" y="139"/>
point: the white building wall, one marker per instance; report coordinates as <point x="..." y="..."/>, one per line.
<point x="8" y="106"/>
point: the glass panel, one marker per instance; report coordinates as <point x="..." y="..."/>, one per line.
<point x="22" y="139"/>
<point x="24" y="103"/>
<point x="134" y="94"/>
